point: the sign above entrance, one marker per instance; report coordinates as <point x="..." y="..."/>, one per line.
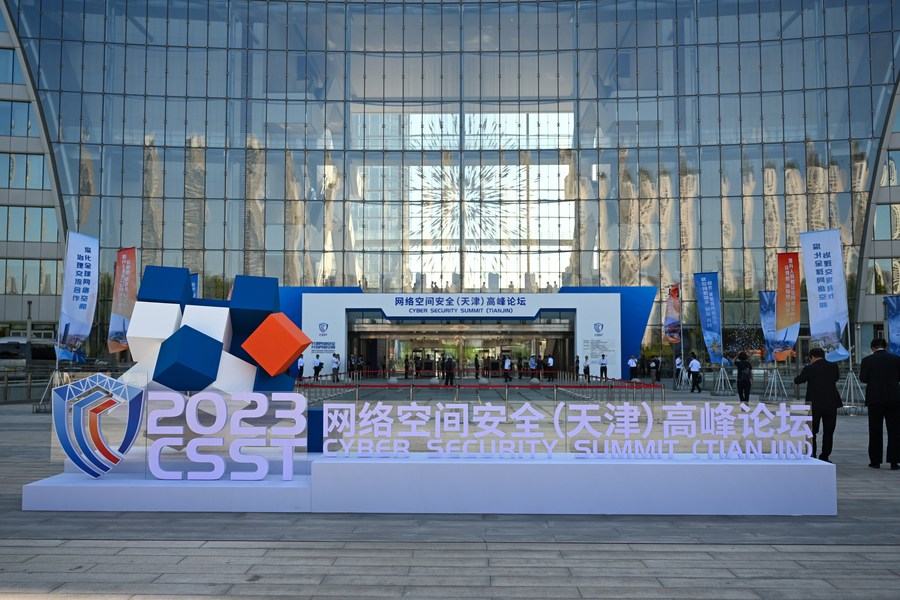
<point x="462" y="305"/>
<point x="597" y="330"/>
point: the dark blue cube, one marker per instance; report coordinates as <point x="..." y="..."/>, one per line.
<point x="188" y="361"/>
<point x="252" y="300"/>
<point x="279" y="383"/>
<point x="165" y="284"/>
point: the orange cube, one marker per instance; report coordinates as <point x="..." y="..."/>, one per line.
<point x="276" y="344"/>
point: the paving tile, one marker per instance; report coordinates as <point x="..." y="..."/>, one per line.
<point x="338" y="591"/>
<point x="144" y="588"/>
<point x="690" y="594"/>
<point x="742" y="582"/>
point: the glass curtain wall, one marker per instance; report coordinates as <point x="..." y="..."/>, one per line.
<point x="425" y="146"/>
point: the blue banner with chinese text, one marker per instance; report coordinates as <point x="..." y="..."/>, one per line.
<point x="707" y="288"/>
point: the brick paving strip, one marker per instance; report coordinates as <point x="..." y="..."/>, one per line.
<point x="182" y="555"/>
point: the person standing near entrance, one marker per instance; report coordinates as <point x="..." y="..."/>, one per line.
<point x="679" y="365"/>
<point x="519" y="365"/>
<point x="477" y="367"/>
<point x="449" y="370"/>
<point x="317" y="367"/>
<point x="632" y="367"/>
<point x="604" y="368"/>
<point x="335" y="367"/>
<point x="550" y="374"/>
<point x="507" y="365"/>
<point x="532" y="366"/>
<point x="587" y="369"/>
<point x="694" y="368"/>
<point x="820" y="377"/>
<point x="300" y="364"/>
<point x="745" y="380"/>
<point x="880" y="371"/>
<point x="577" y="367"/>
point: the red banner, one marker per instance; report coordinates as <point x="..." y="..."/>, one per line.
<point x="124" y="296"/>
<point x="787" y="301"/>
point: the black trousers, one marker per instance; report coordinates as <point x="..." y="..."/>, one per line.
<point x="695" y="381"/>
<point x="828" y="419"/>
<point x="881" y="416"/>
<point x="603" y="372"/>
<point x="743" y="390"/>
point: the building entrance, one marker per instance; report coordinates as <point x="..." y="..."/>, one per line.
<point x="409" y="351"/>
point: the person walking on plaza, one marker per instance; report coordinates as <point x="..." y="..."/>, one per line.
<point x="632" y="367"/>
<point x="745" y="377"/>
<point x="658" y="368"/>
<point x="880" y="371"/>
<point x="604" y="368"/>
<point x="820" y="377"/>
<point x="694" y="368"/>
<point x="679" y="364"/>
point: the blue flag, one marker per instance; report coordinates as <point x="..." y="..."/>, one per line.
<point x="707" y="288"/>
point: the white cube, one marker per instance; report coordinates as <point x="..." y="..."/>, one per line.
<point x="214" y="321"/>
<point x="151" y="323"/>
<point x="234" y="375"/>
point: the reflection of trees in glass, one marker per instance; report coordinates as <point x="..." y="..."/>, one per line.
<point x="152" y="210"/>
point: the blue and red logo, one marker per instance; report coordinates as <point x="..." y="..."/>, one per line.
<point x="598" y="327"/>
<point x="80" y="411"/>
<point x="323" y="326"/>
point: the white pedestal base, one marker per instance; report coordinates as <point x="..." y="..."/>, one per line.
<point x="561" y="485"/>
<point x="79" y="492"/>
<point x="568" y="485"/>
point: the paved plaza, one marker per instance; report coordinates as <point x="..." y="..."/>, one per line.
<point x="144" y="555"/>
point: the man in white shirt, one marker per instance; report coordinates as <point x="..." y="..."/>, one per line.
<point x="632" y="367"/>
<point x="335" y="367"/>
<point x="507" y="365"/>
<point x="679" y="364"/>
<point x="300" y="370"/>
<point x="550" y="374"/>
<point x="604" y="364"/>
<point x="694" y="368"/>
<point x="317" y="367"/>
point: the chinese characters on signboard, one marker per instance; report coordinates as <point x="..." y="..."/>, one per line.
<point x="599" y="431"/>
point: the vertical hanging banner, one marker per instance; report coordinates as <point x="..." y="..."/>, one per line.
<point x="892" y="312"/>
<point x="707" y="287"/>
<point x="672" y="321"/>
<point x="767" y="320"/>
<point x="79" y="295"/>
<point x="195" y="285"/>
<point x="124" y="296"/>
<point x="826" y="291"/>
<point x="787" y="305"/>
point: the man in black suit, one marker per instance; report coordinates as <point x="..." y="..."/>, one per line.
<point x="820" y="377"/>
<point x="880" y="371"/>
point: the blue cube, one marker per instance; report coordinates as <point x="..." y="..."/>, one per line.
<point x="279" y="383"/>
<point x="252" y="300"/>
<point x="165" y="284"/>
<point x="188" y="361"/>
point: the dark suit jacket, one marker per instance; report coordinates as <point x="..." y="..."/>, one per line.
<point x="821" y="379"/>
<point x="880" y="371"/>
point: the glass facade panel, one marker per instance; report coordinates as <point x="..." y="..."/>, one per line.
<point x="441" y="145"/>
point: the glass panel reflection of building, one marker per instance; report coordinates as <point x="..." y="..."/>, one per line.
<point x="464" y="146"/>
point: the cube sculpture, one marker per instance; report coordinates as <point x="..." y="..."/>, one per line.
<point x="276" y="344"/>
<point x="151" y="323"/>
<point x="188" y="360"/>
<point x="165" y="284"/>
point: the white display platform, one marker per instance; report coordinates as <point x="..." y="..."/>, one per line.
<point x="561" y="485"/>
<point x="569" y="485"/>
<point x="79" y="492"/>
